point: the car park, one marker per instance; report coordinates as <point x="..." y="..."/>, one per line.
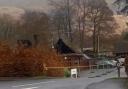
<point x="106" y="64"/>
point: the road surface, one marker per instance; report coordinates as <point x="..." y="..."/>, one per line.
<point x="80" y="83"/>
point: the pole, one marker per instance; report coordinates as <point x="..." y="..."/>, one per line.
<point x="118" y="68"/>
<point x="118" y="72"/>
<point x="79" y="67"/>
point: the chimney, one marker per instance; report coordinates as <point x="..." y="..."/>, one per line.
<point x="36" y="41"/>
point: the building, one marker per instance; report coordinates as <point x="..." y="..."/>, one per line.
<point x="62" y="48"/>
<point x="72" y="58"/>
<point x="27" y="41"/>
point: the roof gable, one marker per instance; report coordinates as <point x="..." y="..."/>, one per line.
<point x="62" y="48"/>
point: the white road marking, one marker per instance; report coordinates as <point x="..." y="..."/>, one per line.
<point x="33" y="84"/>
<point x="30" y="88"/>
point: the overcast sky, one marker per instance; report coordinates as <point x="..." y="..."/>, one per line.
<point x="25" y="3"/>
<point x="28" y="3"/>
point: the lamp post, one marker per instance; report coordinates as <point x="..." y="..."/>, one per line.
<point x="118" y="68"/>
<point x="65" y="58"/>
<point x="53" y="47"/>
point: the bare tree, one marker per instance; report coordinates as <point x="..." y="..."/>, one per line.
<point x="101" y="18"/>
<point x="7" y="27"/>
<point x="36" y="24"/>
<point x="81" y="16"/>
<point x="63" y="10"/>
<point x="84" y="16"/>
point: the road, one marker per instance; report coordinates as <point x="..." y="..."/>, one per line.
<point x="70" y="83"/>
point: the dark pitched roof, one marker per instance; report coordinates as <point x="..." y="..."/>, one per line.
<point x="62" y="48"/>
<point x="24" y="43"/>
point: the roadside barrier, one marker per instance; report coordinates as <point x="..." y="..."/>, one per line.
<point x="67" y="70"/>
<point x="91" y="66"/>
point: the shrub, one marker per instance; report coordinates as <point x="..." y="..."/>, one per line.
<point x="6" y="60"/>
<point x="67" y="73"/>
<point x="31" y="61"/>
<point x="28" y="62"/>
<point x="23" y="62"/>
<point x="52" y="59"/>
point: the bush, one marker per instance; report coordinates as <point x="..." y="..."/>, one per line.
<point x="24" y="62"/>
<point x="67" y="73"/>
<point x="6" y="60"/>
<point x="31" y="61"/>
<point x="52" y="59"/>
<point x="28" y="62"/>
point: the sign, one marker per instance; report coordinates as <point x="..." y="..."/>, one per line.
<point x="118" y="68"/>
<point x="74" y="73"/>
<point x="45" y="68"/>
<point x="118" y="64"/>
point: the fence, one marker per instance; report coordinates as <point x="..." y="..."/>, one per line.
<point x="59" y="71"/>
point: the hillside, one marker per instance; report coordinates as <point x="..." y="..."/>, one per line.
<point x="12" y="13"/>
<point x="121" y="21"/>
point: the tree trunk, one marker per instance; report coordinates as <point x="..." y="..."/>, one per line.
<point x="69" y="21"/>
<point x="94" y="39"/>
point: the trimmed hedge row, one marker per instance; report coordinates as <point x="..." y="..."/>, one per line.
<point x="27" y="62"/>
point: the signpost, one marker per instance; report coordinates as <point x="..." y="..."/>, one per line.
<point x="118" y="68"/>
<point x="74" y="73"/>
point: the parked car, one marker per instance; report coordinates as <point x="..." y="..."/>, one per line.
<point x="106" y="64"/>
<point x="113" y="62"/>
